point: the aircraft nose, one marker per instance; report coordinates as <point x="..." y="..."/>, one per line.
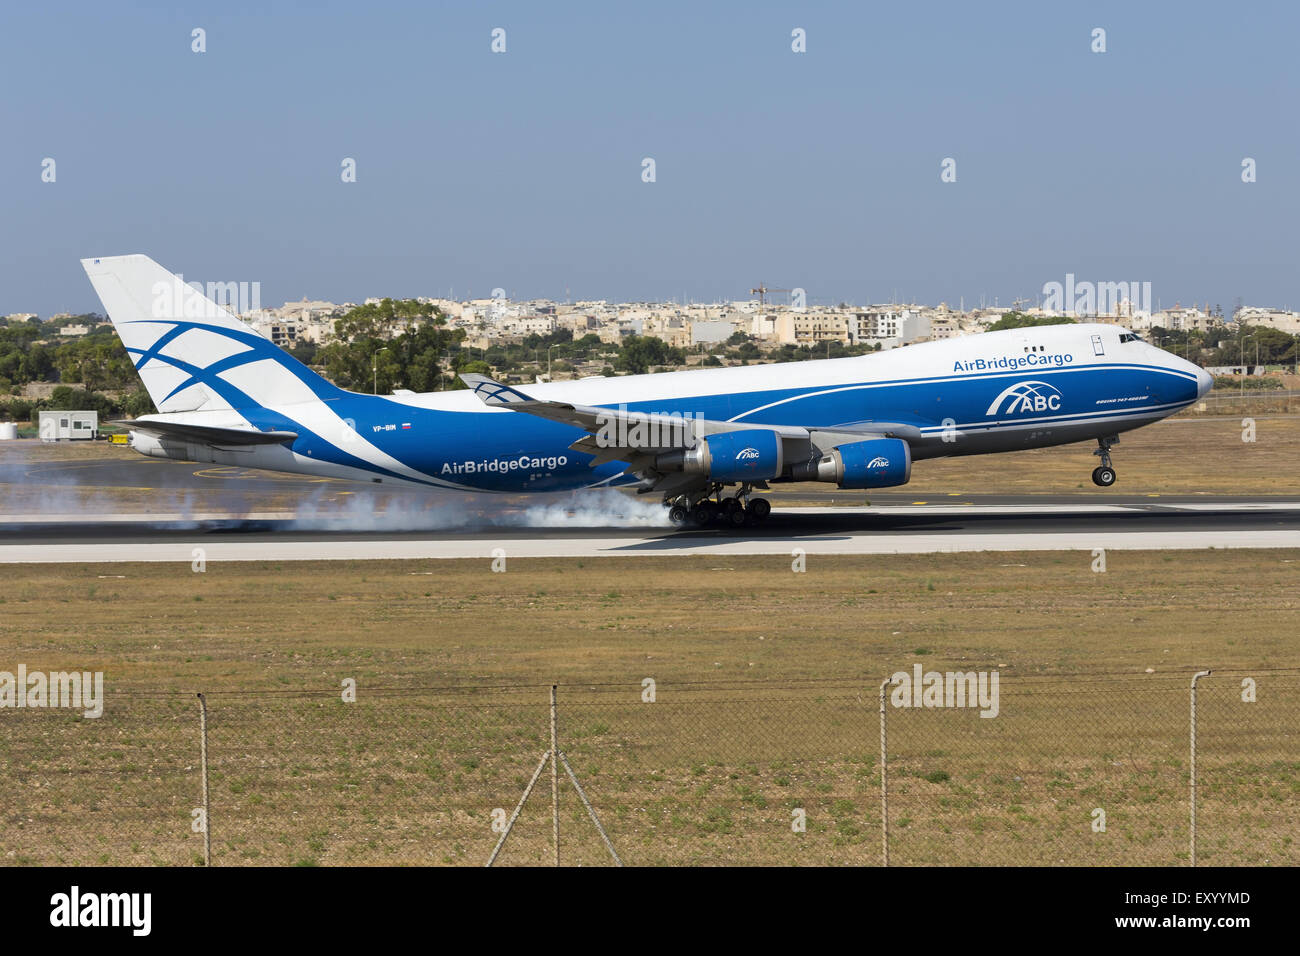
<point x="1204" y="382"/>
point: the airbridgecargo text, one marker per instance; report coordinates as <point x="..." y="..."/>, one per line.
<point x="504" y="465"/>
<point x="1032" y="360"/>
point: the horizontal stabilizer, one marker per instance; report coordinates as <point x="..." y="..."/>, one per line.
<point x="207" y="434"/>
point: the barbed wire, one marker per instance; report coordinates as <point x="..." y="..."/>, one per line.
<point x="868" y="681"/>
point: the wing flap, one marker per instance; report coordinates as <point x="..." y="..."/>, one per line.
<point x="828" y="438"/>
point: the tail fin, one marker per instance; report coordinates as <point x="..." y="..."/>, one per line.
<point x="191" y="353"/>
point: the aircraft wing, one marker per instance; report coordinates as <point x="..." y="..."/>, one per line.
<point x="651" y="432"/>
<point x="637" y="437"/>
<point x="207" y="434"/>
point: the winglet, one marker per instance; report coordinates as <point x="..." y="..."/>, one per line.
<point x="493" y="393"/>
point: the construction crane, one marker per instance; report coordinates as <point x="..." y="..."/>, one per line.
<point x="762" y="292"/>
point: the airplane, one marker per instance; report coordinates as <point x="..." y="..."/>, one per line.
<point x="705" y="440"/>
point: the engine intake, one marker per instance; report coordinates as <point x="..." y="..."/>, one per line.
<point x="876" y="463"/>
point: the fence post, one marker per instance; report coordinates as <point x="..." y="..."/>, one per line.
<point x="884" y="784"/>
<point x="496" y="850"/>
<point x="1195" y="677"/>
<point x="556" y="756"/>
<point x="555" y="779"/>
<point x="203" y="769"/>
<point x="582" y="795"/>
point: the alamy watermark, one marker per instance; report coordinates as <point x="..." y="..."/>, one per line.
<point x="938" y="689"/>
<point x="624" y="429"/>
<point x="74" y="690"/>
<point x="1096" y="298"/>
<point x="127" y="910"/>
<point x="192" y="300"/>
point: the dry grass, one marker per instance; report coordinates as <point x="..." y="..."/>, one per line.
<point x="1177" y="456"/>
<point x="766" y="704"/>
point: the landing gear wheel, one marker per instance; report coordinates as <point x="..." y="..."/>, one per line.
<point x="1103" y="476"/>
<point x="678" y="515"/>
<point x="735" y="516"/>
<point x="759" y="508"/>
<point x="704" y="513"/>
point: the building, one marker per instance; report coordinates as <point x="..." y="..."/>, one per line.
<point x="710" y="331"/>
<point x="816" y="328"/>
<point x="1279" y="319"/>
<point x="889" y="326"/>
<point x="528" y="325"/>
<point x="67" y="426"/>
<point x="283" y="334"/>
<point x="944" y="324"/>
<point x="1179" y="319"/>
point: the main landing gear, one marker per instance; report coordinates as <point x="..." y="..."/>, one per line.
<point x="734" y="511"/>
<point x="1105" y="474"/>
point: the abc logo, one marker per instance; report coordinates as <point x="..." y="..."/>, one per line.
<point x="1025" y="397"/>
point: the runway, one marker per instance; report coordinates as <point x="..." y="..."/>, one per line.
<point x="242" y="490"/>
<point x="1022" y="526"/>
<point x="123" y="507"/>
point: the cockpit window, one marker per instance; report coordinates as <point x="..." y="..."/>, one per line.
<point x="1129" y="337"/>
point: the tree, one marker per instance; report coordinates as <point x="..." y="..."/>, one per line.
<point x="640" y="352"/>
<point x="305" y="352"/>
<point x="559" y="337"/>
<point x="394" y="343"/>
<point x="587" y="344"/>
<point x="97" y="363"/>
<point x="65" y="398"/>
<point x="1275" y="346"/>
<point x="1019" y="320"/>
<point x="481" y="368"/>
<point x="137" y="403"/>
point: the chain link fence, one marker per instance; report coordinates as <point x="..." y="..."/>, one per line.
<point x="1248" y="402"/>
<point x="1077" y="771"/>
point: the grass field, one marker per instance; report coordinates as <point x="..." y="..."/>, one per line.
<point x="766" y="704"/>
<point x="1176" y="456"/>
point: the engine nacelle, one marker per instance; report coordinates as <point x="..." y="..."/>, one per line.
<point x="876" y="463"/>
<point x="147" y="444"/>
<point x="753" y="454"/>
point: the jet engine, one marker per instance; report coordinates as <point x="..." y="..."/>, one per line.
<point x="876" y="463"/>
<point x="749" y="455"/>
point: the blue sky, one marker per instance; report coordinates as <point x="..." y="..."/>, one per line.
<point x="522" y="170"/>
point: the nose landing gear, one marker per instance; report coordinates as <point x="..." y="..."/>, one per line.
<point x="1104" y="476"/>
